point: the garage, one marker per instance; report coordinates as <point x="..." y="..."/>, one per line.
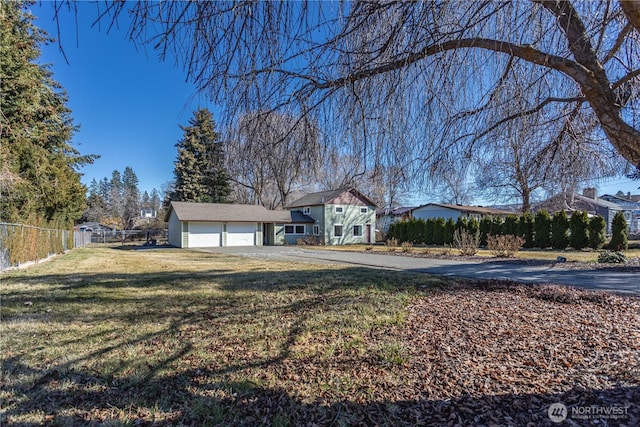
<point x="204" y="234"/>
<point x="241" y="234"/>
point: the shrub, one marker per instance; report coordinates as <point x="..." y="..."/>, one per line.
<point x="392" y="242"/>
<point x="619" y="237"/>
<point x="612" y="257"/>
<point x="429" y="231"/>
<point x="526" y="228"/>
<point x="597" y="230"/>
<point x="466" y="242"/>
<point x="579" y="225"/>
<point x="407" y="247"/>
<point x="504" y="246"/>
<point x="473" y="226"/>
<point x="542" y="229"/>
<point x="449" y="229"/>
<point x="510" y="225"/>
<point x="485" y="230"/>
<point x="438" y="231"/>
<point x="560" y="230"/>
<point x="496" y="226"/>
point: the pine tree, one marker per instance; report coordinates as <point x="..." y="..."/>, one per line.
<point x="579" y="225"/>
<point x="38" y="178"/>
<point x="526" y="229"/>
<point x="199" y="167"/>
<point x="560" y="230"/>
<point x="597" y="232"/>
<point x="619" y="233"/>
<point x="542" y="229"/>
<point x="130" y="198"/>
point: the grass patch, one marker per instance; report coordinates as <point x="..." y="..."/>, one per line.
<point x="143" y="337"/>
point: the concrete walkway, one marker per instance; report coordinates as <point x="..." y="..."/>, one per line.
<point x="603" y="279"/>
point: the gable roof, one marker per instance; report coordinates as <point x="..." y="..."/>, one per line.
<point x="571" y="201"/>
<point x="227" y="212"/>
<point x="326" y="197"/>
<point x="469" y="209"/>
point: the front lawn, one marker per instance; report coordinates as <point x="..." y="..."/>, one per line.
<point x="168" y="336"/>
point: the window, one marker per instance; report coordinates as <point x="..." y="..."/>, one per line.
<point x="337" y="230"/>
<point x="339" y="209"/>
<point x="364" y="210"/>
<point x="306" y="210"/>
<point x="357" y="231"/>
<point x="316" y="230"/>
<point x="294" y="229"/>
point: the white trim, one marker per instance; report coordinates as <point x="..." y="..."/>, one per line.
<point x="361" y="230"/>
<point x="295" y="229"/>
<point x="306" y="210"/>
<point x="341" y="229"/>
<point x="316" y="230"/>
<point x="335" y="209"/>
<point x="364" y="210"/>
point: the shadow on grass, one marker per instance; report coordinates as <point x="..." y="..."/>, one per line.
<point x="173" y="378"/>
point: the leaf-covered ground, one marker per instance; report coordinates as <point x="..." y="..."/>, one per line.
<point x="172" y="337"/>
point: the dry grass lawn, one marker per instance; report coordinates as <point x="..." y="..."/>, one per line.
<point x="167" y="336"/>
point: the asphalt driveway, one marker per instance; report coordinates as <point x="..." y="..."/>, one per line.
<point x="602" y="279"/>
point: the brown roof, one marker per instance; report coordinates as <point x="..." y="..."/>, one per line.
<point x="470" y="209"/>
<point x="226" y="212"/>
<point x="326" y="197"/>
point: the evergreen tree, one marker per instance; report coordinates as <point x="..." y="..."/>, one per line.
<point x="449" y="229"/>
<point x="130" y="198"/>
<point x="510" y="226"/>
<point x="543" y="229"/>
<point x="473" y="226"/>
<point x="438" y="231"/>
<point x="526" y="229"/>
<point x="560" y="230"/>
<point x="485" y="229"/>
<point x="597" y="232"/>
<point x="619" y="233"/>
<point x="38" y="178"/>
<point x="496" y="226"/>
<point x="199" y="168"/>
<point x="579" y="225"/>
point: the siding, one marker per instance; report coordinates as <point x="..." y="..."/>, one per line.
<point x="350" y="217"/>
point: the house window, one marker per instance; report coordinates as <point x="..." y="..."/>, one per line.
<point x="306" y="210"/>
<point x="357" y="231"/>
<point x="337" y="230"/>
<point x="316" y="230"/>
<point x="294" y="229"/>
<point x="339" y="209"/>
<point x="364" y="210"/>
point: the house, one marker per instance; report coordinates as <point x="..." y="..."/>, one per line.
<point x="589" y="202"/>
<point x="446" y="211"/>
<point x="344" y="216"/>
<point x="386" y="217"/>
<point x="331" y="217"/>
<point x="197" y="225"/>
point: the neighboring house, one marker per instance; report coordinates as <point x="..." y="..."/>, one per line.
<point x="446" y="211"/>
<point x="195" y="225"/>
<point x="94" y="227"/>
<point x="589" y="202"/>
<point x="386" y="217"/>
<point x="341" y="217"/>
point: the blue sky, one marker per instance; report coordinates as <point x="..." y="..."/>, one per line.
<point x="129" y="104"/>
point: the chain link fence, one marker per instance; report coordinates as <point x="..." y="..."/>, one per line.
<point x="20" y="243"/>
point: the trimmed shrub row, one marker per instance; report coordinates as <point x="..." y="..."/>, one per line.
<point x="541" y="231"/>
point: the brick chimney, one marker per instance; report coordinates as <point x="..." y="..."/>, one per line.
<point x="590" y="193"/>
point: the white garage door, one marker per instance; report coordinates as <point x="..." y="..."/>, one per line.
<point x="241" y="234"/>
<point x="204" y="234"/>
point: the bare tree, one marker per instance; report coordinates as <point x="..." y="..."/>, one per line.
<point x="436" y="69"/>
<point x="272" y="154"/>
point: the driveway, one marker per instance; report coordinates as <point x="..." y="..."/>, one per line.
<point x="602" y="280"/>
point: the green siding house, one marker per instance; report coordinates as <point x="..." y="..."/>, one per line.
<point x="342" y="217"/>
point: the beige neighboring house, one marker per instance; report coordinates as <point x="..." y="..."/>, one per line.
<point x="446" y="211"/>
<point x="198" y="225"/>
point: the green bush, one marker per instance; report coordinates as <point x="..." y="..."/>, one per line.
<point x="496" y="226"/>
<point x="597" y="231"/>
<point x="619" y="238"/>
<point x="473" y="226"/>
<point x="579" y="225"/>
<point x="485" y="230"/>
<point x="526" y="229"/>
<point x="560" y="230"/>
<point x="612" y="257"/>
<point x="438" y="231"/>
<point x="449" y="229"/>
<point x="542" y="229"/>
<point x="510" y="225"/>
<point x="429" y="231"/>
